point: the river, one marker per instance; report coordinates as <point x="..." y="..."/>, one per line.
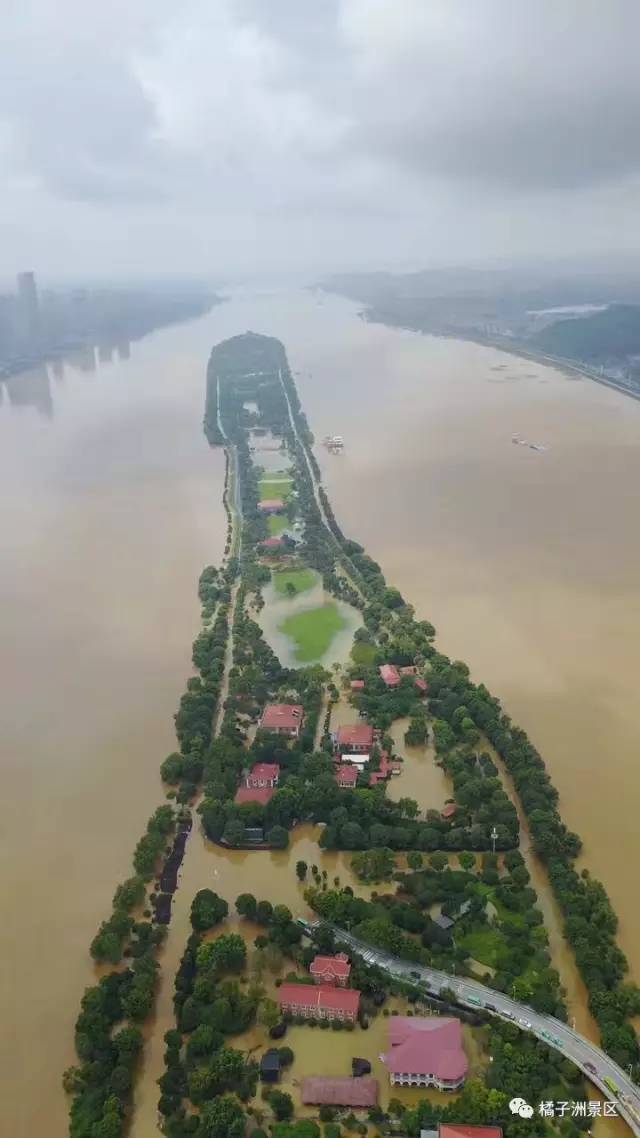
<point x="526" y="561"/>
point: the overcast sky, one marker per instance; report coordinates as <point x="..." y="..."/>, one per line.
<point x="226" y="137"/>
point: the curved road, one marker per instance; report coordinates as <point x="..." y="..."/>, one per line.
<point x="592" y="1061"/>
<point x="595" y="1064"/>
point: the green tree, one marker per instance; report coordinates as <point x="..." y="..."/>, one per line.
<point x="438" y="861"/>
<point x="278" y="837"/>
<point x="467" y="860"/>
<point x="269" y="1013"/>
<point x="246" y="906"/>
<point x="414" y="860"/>
<point x="301" y="870"/>
<point x="223" y="1117"/>
<point x="282" y="1105"/>
<point x="207" y="910"/>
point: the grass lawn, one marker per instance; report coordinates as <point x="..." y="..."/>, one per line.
<point x="274" y="488"/>
<point x="363" y="654"/>
<point x="301" y="579"/>
<point x="277" y="523"/>
<point x="485" y="945"/>
<point x="313" y="630"/>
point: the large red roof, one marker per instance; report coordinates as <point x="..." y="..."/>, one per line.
<point x="357" y="735"/>
<point x="265" y="771"/>
<point x="339" y="1091"/>
<point x="357" y="685"/>
<point x="271" y="504"/>
<point x="453" y="1130"/>
<point x="346" y="774"/>
<point x="262" y="794"/>
<point x="390" y="674"/>
<point x="281" y="716"/>
<point x="321" y="996"/>
<point x="426" y="1045"/>
<point x="337" y="966"/>
<point x="272" y="543"/>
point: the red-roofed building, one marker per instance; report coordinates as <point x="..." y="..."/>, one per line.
<point x="387" y="768"/>
<point x="456" y="1130"/>
<point x="421" y="684"/>
<point x="263" y="774"/>
<point x="260" y="794"/>
<point x="390" y="675"/>
<point x="449" y="810"/>
<point x="272" y="543"/>
<point x="426" y="1051"/>
<point x="357" y="685"/>
<point x="319" y="1001"/>
<point x="271" y="506"/>
<point x="331" y="969"/>
<point x="346" y="775"/>
<point x="357" y="738"/>
<point x="283" y="719"/>
<point x="339" y="1090"/>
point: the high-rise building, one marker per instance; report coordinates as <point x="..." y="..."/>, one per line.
<point x="29" y="309"/>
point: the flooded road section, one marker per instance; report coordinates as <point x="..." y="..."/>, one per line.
<point x="526" y="561"/>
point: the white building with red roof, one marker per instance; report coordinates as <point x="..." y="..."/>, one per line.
<point x="357" y="738"/>
<point x="283" y="719"/>
<point x="426" y="1051"/>
<point x="331" y="969"/>
<point x="347" y="775"/>
<point x="319" y="1001"/>
<point x="390" y="675"/>
<point x="264" y="774"/>
<point x="259" y="785"/>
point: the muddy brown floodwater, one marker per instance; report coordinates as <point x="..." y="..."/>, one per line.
<point x="527" y="562"/>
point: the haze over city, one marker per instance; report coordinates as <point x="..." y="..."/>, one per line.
<point x="251" y="138"/>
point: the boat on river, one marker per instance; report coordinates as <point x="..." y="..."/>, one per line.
<point x="333" y="443"/>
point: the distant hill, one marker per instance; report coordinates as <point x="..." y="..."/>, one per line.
<point x="612" y="333"/>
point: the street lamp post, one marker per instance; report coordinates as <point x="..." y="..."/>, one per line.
<point x="494" y="836"/>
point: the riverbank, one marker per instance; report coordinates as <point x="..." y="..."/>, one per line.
<point x="400" y="624"/>
<point x="508" y="345"/>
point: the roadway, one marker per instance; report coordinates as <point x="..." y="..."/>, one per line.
<point x="592" y="1061"/>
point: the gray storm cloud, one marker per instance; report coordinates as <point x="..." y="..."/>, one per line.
<point x="348" y="133"/>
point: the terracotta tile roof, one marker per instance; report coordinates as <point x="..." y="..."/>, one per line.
<point x="271" y="504"/>
<point x="334" y="966"/>
<point x="356" y="735"/>
<point x="346" y="774"/>
<point x="264" y="771"/>
<point x="390" y="674"/>
<point x="421" y="684"/>
<point x="320" y="996"/>
<point x="281" y="716"/>
<point x="449" y="810"/>
<point x="426" y="1045"/>
<point x="339" y="1091"/>
<point x="271" y="543"/>
<point x="262" y="794"/>
<point x="357" y="685"/>
<point x="454" y="1130"/>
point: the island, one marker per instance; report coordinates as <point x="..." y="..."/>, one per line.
<point x="416" y="945"/>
